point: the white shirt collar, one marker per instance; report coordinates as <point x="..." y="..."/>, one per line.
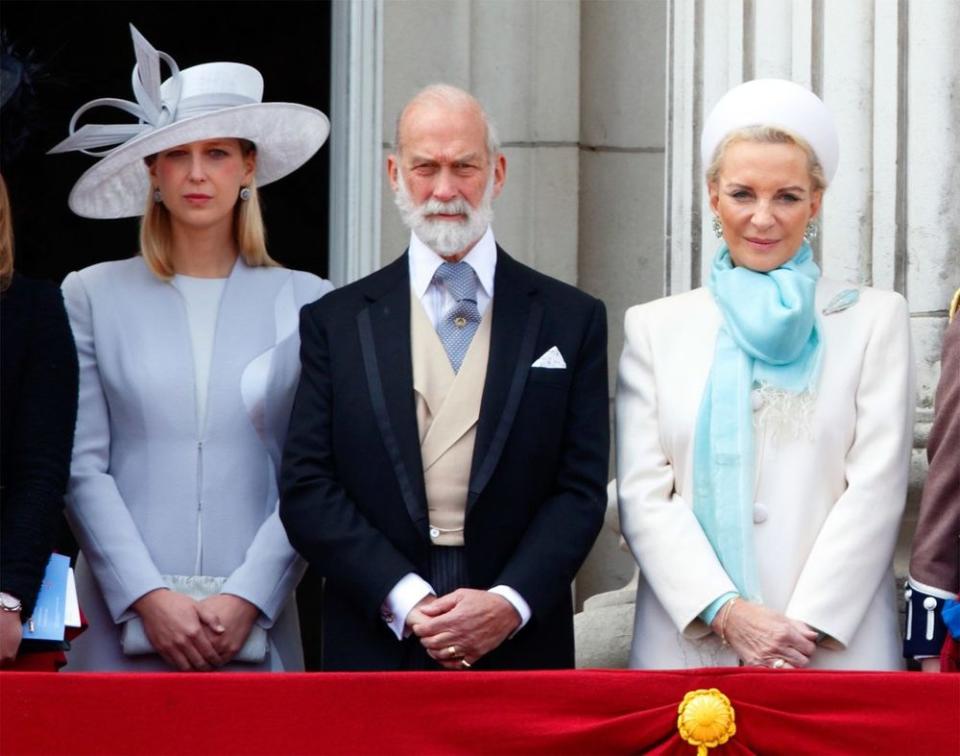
<point x="424" y="263"/>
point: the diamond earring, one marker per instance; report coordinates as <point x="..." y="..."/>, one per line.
<point x="811" y="231"/>
<point x="245" y="193"/>
<point x="157" y="197"/>
<point x="717" y="227"/>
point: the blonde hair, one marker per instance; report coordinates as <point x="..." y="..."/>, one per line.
<point x="156" y="235"/>
<point x="6" y="237"/>
<point x="768" y="135"/>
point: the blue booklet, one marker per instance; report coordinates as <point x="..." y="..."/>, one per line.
<point x="50" y="613"/>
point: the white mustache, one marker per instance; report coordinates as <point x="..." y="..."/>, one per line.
<point x="436" y="207"/>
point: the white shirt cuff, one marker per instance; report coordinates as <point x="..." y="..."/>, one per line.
<point x="405" y="595"/>
<point x="516" y="600"/>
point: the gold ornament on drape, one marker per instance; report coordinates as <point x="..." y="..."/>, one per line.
<point x="706" y="719"/>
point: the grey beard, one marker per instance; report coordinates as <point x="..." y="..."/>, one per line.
<point x="445" y="237"/>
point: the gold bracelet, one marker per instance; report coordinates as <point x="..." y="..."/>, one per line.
<point x="720" y="619"/>
<point x="727" y="608"/>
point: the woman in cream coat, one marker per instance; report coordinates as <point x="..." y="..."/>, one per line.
<point x="798" y="572"/>
<point x="189" y="360"/>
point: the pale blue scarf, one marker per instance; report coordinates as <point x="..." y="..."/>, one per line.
<point x="769" y="337"/>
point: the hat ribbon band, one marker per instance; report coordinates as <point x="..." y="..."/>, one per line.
<point x="197" y="105"/>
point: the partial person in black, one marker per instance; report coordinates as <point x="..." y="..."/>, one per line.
<point x="38" y="411"/>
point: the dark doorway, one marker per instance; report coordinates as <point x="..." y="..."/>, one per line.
<point x="73" y="52"/>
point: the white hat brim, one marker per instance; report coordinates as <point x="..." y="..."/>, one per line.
<point x="286" y="136"/>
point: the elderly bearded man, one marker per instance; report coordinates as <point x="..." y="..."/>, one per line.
<point x="447" y="451"/>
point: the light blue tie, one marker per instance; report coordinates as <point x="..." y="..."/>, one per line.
<point x="456" y="327"/>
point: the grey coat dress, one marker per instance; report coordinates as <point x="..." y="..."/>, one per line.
<point x="153" y="490"/>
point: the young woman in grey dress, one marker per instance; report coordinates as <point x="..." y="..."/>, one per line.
<point x="189" y="357"/>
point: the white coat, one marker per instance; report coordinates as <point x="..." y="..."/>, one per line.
<point x="153" y="490"/>
<point x="828" y="499"/>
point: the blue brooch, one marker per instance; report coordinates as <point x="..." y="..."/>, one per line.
<point x="843" y="300"/>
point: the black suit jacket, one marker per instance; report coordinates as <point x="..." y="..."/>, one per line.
<point x="352" y="491"/>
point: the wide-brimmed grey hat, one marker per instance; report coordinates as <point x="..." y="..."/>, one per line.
<point x="208" y="101"/>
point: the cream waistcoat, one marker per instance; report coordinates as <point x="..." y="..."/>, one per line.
<point x="448" y="407"/>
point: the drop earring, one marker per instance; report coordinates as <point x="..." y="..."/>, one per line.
<point x="811" y="231"/>
<point x="717" y="227"/>
<point x="157" y="197"/>
<point x="245" y="193"/>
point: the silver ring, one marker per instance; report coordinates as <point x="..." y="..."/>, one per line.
<point x="778" y="663"/>
<point x="452" y="650"/>
<point x="464" y="664"/>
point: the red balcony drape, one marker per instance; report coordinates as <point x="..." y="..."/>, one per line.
<point x="576" y="712"/>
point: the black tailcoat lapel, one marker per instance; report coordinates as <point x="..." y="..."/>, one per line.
<point x="384" y="328"/>
<point x="517" y="314"/>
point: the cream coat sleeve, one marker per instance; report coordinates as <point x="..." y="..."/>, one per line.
<point x="854" y="548"/>
<point x="97" y="513"/>
<point x="666" y="539"/>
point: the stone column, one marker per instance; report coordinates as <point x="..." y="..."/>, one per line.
<point x="622" y="113"/>
<point x="355" y="114"/>
<point x="927" y="260"/>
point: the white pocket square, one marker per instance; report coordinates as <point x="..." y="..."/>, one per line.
<point x="551" y="359"/>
